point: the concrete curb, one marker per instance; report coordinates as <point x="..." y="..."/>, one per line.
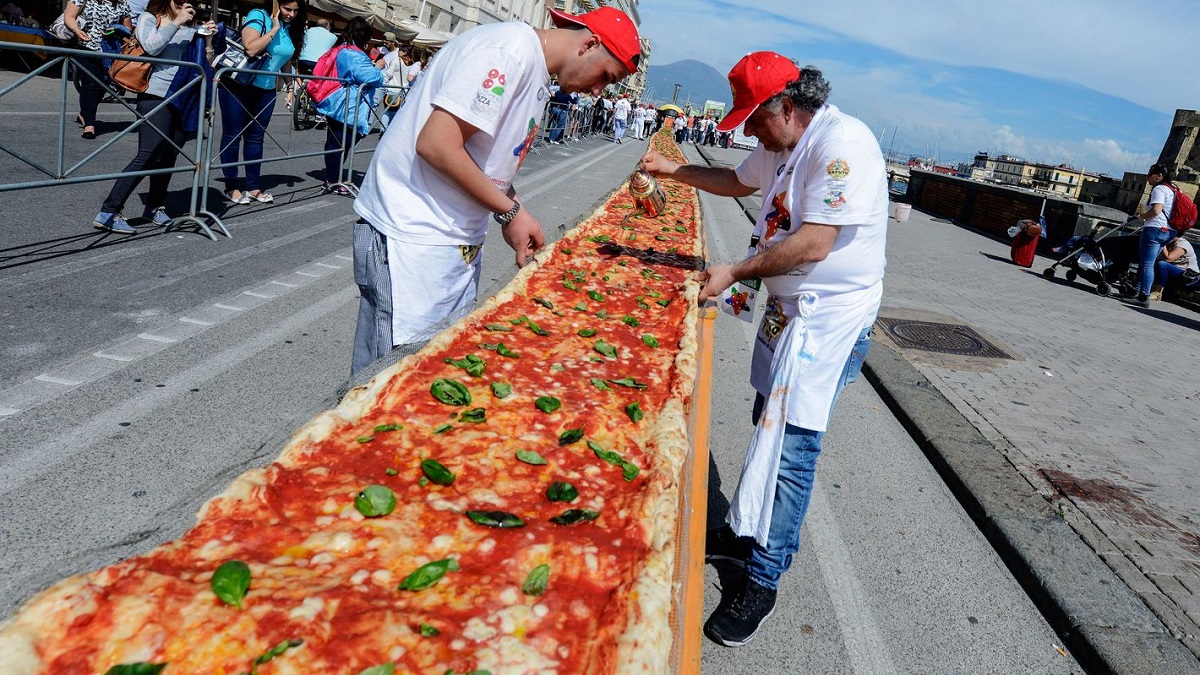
<point x="1103" y="622"/>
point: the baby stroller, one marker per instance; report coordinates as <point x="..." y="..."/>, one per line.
<point x="1102" y="258"/>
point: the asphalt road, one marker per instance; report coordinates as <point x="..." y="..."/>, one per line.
<point x="139" y="375"/>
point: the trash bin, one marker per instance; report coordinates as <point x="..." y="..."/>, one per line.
<point x="902" y="212"/>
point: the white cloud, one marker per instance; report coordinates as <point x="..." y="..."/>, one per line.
<point x="1109" y="152"/>
<point x="1009" y="142"/>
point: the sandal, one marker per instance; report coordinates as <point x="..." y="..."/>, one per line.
<point x="261" y="197"/>
<point x="88" y="133"/>
<point x="243" y="199"/>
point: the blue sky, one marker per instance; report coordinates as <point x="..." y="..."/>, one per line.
<point x="1094" y="84"/>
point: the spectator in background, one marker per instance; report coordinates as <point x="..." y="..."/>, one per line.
<point x="96" y="16"/>
<point x="560" y="106"/>
<point x="446" y="170"/>
<point x="636" y="118"/>
<point x="345" y="109"/>
<point x="414" y="69"/>
<point x="165" y="30"/>
<point x="1155" y="230"/>
<point x="246" y="108"/>
<point x="1177" y="269"/>
<point x="395" y="80"/>
<point x="317" y="40"/>
<point x="620" y="117"/>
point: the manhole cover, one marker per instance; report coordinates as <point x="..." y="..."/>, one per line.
<point x="943" y="338"/>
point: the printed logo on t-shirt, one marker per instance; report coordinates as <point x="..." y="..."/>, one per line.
<point x="778" y="219"/>
<point x="838" y="169"/>
<point x="836" y="199"/>
<point x="489" y="92"/>
<point x="523" y="149"/>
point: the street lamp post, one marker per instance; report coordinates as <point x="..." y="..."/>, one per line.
<point x="675" y="96"/>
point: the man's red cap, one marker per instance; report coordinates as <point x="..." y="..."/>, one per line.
<point x="753" y="80"/>
<point x="614" y="28"/>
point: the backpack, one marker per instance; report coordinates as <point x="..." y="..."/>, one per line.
<point x="1183" y="213"/>
<point x="319" y="90"/>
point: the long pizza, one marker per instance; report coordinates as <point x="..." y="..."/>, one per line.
<point x="503" y="501"/>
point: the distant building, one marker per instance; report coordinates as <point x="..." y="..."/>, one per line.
<point x="1101" y="190"/>
<point x="1012" y="170"/>
<point x="1129" y="195"/>
<point x="983" y="168"/>
<point x="1064" y="180"/>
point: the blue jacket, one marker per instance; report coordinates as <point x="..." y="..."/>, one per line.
<point x="356" y="67"/>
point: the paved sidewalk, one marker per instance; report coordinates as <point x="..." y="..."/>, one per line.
<point x="1097" y="414"/>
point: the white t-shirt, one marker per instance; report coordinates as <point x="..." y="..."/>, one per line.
<point x="838" y="178"/>
<point x="494" y="77"/>
<point x="1161" y="194"/>
<point x="621" y="110"/>
<point x="1188" y="261"/>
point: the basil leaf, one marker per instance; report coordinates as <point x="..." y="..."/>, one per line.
<point x="436" y="472"/>
<point x="423" y="481"/>
<point x="391" y="472"/>
<point x="574" y="517"/>
<point x="501" y="389"/>
<point x="650" y="340"/>
<point x="537" y="330"/>
<point x="642" y="304"/>
<point x="140" y="668"/>
<point x="519" y="320"/>
<point x="663" y="302"/>
<point x="429" y="631"/>
<point x="560" y="491"/>
<point x="602" y="314"/>
<point x="599" y="239"/>
<point x="569" y="285"/>
<point x="634" y="410"/>
<point x="499" y="327"/>
<point x="388" y="668"/>
<point x="544" y="303"/>
<point x="500" y="519"/>
<point x="653" y="293"/>
<point x="276" y="651"/>
<point x="364" y="439"/>
<point x="530" y="457"/>
<point x="630" y="382"/>
<point x="581" y="306"/>
<point x="388" y="427"/>
<point x="474" y="416"/>
<point x="450" y="392"/>
<point x="587" y="332"/>
<point x="558" y="368"/>
<point x="375" y="501"/>
<point x="659" y="237"/>
<point x="680" y="228"/>
<point x="231" y="581"/>
<point x="596" y="296"/>
<point x="547" y="404"/>
<point x="470" y="363"/>
<point x="629" y="320"/>
<point x="600" y="384"/>
<point x="605" y="349"/>
<point x="503" y="350"/>
<point x="428" y="574"/>
<point x="536" y="581"/>
<point x="629" y="470"/>
<point x="490" y="346"/>
<point x="565" y="251"/>
<point x="442" y="428"/>
<point x="570" y="436"/>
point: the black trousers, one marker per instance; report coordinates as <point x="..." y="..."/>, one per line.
<point x="154" y="152"/>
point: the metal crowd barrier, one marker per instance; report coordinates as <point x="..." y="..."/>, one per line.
<point x="211" y="157"/>
<point x="60" y="173"/>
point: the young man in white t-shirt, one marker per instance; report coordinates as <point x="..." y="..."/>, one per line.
<point x="620" y="117"/>
<point x="445" y="168"/>
<point x="818" y="247"/>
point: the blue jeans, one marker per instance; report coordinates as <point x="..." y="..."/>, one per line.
<point x="245" y="113"/>
<point x="558" y="122"/>
<point x="1149" y="246"/>
<point x="1168" y="274"/>
<point x="797" y="470"/>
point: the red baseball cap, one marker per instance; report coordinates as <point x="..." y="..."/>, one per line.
<point x="614" y="28"/>
<point x="753" y="80"/>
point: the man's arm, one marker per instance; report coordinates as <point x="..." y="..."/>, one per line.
<point x="811" y="243"/>
<point x="717" y="180"/>
<point x="442" y="144"/>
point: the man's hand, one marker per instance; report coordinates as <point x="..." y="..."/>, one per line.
<point x="715" y="279"/>
<point x="658" y="165"/>
<point x="524" y="235"/>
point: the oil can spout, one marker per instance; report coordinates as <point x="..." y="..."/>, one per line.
<point x="647" y="195"/>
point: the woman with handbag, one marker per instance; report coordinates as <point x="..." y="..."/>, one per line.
<point x="348" y="108"/>
<point x="246" y="106"/>
<point x="88" y="20"/>
<point x="166" y="31"/>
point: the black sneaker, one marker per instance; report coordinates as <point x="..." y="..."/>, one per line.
<point x="1141" y="300"/>
<point x="723" y="544"/>
<point x="737" y="619"/>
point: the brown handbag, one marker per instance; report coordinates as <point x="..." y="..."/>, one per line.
<point x="132" y="75"/>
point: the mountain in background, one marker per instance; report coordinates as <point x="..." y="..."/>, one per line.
<point x="699" y="82"/>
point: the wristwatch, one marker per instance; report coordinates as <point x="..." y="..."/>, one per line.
<point x="507" y="216"/>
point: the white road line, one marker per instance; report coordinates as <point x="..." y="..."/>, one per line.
<point x="219" y="305"/>
<point x="22" y="467"/>
<point x="259" y="295"/>
<point x="157" y="338"/>
<point x="332" y="267"/>
<point x="869" y="654"/>
<point x="285" y="285"/>
<point x="309" y="274"/>
<point x="57" y="380"/>
<point x="113" y="357"/>
<point x="198" y="322"/>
